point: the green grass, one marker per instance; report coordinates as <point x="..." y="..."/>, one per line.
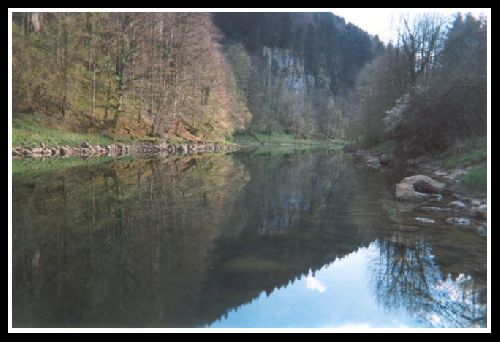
<point x="31" y="131"/>
<point x="469" y="152"/>
<point x="281" y="139"/>
<point x="476" y="179"/>
<point x="387" y="147"/>
<point x="28" y="132"/>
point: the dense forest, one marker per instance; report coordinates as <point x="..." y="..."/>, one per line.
<point x="428" y="91"/>
<point x="204" y="76"/>
<point x="151" y="73"/>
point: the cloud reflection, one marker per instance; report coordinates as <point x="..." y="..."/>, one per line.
<point x="314" y="284"/>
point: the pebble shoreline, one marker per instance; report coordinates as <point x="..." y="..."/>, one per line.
<point x="86" y="149"/>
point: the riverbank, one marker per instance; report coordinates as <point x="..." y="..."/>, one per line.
<point x="87" y="150"/>
<point x="461" y="197"/>
<point x="30" y="138"/>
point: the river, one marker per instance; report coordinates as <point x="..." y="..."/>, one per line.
<point x="242" y="239"/>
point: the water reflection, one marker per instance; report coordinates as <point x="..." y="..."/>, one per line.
<point x="186" y="241"/>
<point x="406" y="275"/>
<point x="337" y="296"/>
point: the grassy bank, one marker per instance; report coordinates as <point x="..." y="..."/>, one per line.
<point x="281" y="140"/>
<point x="476" y="179"/>
<point x="469" y="153"/>
<point x="31" y="131"/>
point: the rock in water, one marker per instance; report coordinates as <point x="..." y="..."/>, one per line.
<point x="458" y="205"/>
<point x="435" y="209"/>
<point x="385" y="160"/>
<point x="462" y="221"/>
<point x="480" y="212"/>
<point x="406" y="192"/>
<point x="424" y="183"/>
<point x="416" y="188"/>
<point x="424" y="219"/>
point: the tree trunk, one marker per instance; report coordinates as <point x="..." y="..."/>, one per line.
<point x="65" y="69"/>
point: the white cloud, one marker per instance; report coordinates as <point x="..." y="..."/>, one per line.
<point x="314" y="284"/>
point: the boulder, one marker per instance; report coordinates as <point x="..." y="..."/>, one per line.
<point x="424" y="183"/>
<point x="85" y="144"/>
<point x="417" y="188"/>
<point x="407" y="192"/>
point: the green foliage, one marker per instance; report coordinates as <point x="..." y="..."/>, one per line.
<point x="242" y="65"/>
<point x="425" y="104"/>
<point x="99" y="71"/>
<point x="291" y="65"/>
<point x="387" y="146"/>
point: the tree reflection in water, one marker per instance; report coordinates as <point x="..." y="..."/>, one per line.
<point x="406" y="276"/>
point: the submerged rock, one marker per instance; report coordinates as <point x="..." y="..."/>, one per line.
<point x="458" y="205"/>
<point x="435" y="209"/>
<point x="476" y="202"/>
<point x="480" y="212"/>
<point x="425" y="220"/>
<point x="482" y="230"/>
<point x="462" y="221"/>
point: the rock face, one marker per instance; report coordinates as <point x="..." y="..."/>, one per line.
<point x="417" y="188"/>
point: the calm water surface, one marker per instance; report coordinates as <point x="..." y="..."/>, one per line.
<point x="297" y="239"/>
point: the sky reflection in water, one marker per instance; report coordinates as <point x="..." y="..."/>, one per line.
<point x="342" y="295"/>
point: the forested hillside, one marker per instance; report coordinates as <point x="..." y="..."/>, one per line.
<point x="202" y="76"/>
<point x="158" y="74"/>
<point x="294" y="68"/>
<point x="193" y="75"/>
